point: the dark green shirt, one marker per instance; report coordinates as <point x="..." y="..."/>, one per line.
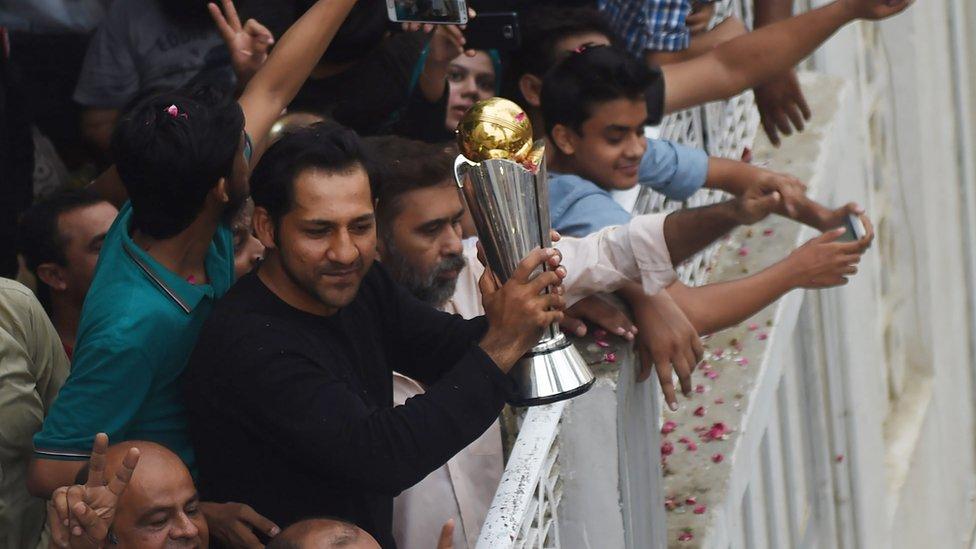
<point x="139" y="324"/>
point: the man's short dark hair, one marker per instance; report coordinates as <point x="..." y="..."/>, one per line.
<point x="326" y="146"/>
<point x="595" y="75"/>
<point x="38" y="238"/>
<point x="169" y="159"/>
<point x="404" y="165"/>
<point x="541" y="29"/>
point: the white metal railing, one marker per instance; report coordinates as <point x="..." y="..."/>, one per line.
<point x="524" y="513"/>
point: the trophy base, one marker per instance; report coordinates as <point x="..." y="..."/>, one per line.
<point x="552" y="371"/>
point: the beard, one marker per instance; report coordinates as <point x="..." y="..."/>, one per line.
<point x="429" y="287"/>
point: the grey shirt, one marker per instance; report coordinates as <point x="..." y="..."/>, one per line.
<point x="138" y="49"/>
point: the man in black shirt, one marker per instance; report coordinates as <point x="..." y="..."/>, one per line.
<point x="289" y="390"/>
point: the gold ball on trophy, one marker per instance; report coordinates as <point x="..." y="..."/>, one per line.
<point x="495" y="128"/>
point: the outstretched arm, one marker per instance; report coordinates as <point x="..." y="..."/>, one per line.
<point x="288" y="66"/>
<point x="755" y="58"/>
<point x="820" y="263"/>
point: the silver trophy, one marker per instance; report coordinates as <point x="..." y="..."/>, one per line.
<point x="510" y="206"/>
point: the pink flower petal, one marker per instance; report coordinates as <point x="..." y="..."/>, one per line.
<point x="768" y="232"/>
<point x="667" y="449"/>
<point x="719" y="401"/>
<point x="691" y="447"/>
<point x="699" y="389"/>
<point x="668" y="427"/>
<point x="686" y="536"/>
<point x="599" y="334"/>
<point x="520" y="117"/>
<point x="684" y="440"/>
<point x="718" y="458"/>
<point x="762" y="337"/>
<point x="700" y="411"/>
<point x="743" y="251"/>
<point x="700" y="510"/>
<point x="753" y="327"/>
<point x="839" y="458"/>
<point x="602" y="344"/>
<point x="711" y="374"/>
<point x="742" y="361"/>
<point x="691" y="500"/>
<point x="610" y="357"/>
<point x="718" y="352"/>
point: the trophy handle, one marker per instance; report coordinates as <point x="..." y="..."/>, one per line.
<point x="461" y="166"/>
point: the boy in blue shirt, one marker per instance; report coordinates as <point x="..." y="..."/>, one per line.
<point x="595" y="110"/>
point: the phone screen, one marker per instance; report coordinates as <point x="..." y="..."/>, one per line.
<point x="428" y="11"/>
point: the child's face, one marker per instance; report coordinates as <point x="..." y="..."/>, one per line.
<point x="611" y="143"/>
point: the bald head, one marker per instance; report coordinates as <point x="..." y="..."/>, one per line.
<point x="323" y="533"/>
<point x="160" y="507"/>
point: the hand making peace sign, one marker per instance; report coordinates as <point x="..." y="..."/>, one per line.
<point x="80" y="515"/>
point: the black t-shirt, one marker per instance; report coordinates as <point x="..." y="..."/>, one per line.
<point x="292" y="413"/>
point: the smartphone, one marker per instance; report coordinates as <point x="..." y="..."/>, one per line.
<point x="498" y="31"/>
<point x="855" y="229"/>
<point x="438" y="12"/>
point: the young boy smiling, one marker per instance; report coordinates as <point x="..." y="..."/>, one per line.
<point x="595" y="109"/>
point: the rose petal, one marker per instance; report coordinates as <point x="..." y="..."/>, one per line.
<point x="700" y="411"/>
<point x="719" y="401"/>
<point x="601" y="343"/>
<point x="753" y="327"/>
<point x="684" y="440"/>
<point x="686" y="536"/>
<point x="718" y="458"/>
<point x="711" y="374"/>
<point x="742" y="361"/>
<point x="699" y="389"/>
<point x="768" y="232"/>
<point x="762" y="337"/>
<point x="691" y="447"/>
<point x="610" y="357"/>
<point x="691" y="500"/>
<point x="599" y="334"/>
<point x="700" y="510"/>
<point x="839" y="458"/>
<point x="743" y="251"/>
<point x="667" y="449"/>
<point x="668" y="427"/>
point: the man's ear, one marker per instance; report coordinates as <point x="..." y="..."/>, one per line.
<point x="53" y="275"/>
<point x="220" y="191"/>
<point x="564" y="139"/>
<point x="264" y="227"/>
<point x="531" y="87"/>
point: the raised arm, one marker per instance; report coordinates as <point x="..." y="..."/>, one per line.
<point x="288" y="66"/>
<point x="753" y="59"/>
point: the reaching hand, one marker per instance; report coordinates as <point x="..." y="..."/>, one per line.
<point x="235" y="523"/>
<point x="699" y="18"/>
<point x="836" y="218"/>
<point x="667" y="340"/>
<point x="519" y="310"/>
<point x="764" y="197"/>
<point x="823" y="262"/>
<point x="81" y="515"/>
<point x="598" y="311"/>
<point x="781" y="103"/>
<point x="248" y="44"/>
<point x="446" y="540"/>
<point x="876" y="9"/>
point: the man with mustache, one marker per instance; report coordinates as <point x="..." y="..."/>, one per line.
<point x="292" y="374"/>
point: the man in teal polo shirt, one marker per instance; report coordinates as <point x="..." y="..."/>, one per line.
<point x="138" y="326"/>
<point x="182" y="158"/>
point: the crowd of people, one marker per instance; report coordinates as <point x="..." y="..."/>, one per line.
<point x="260" y="317"/>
